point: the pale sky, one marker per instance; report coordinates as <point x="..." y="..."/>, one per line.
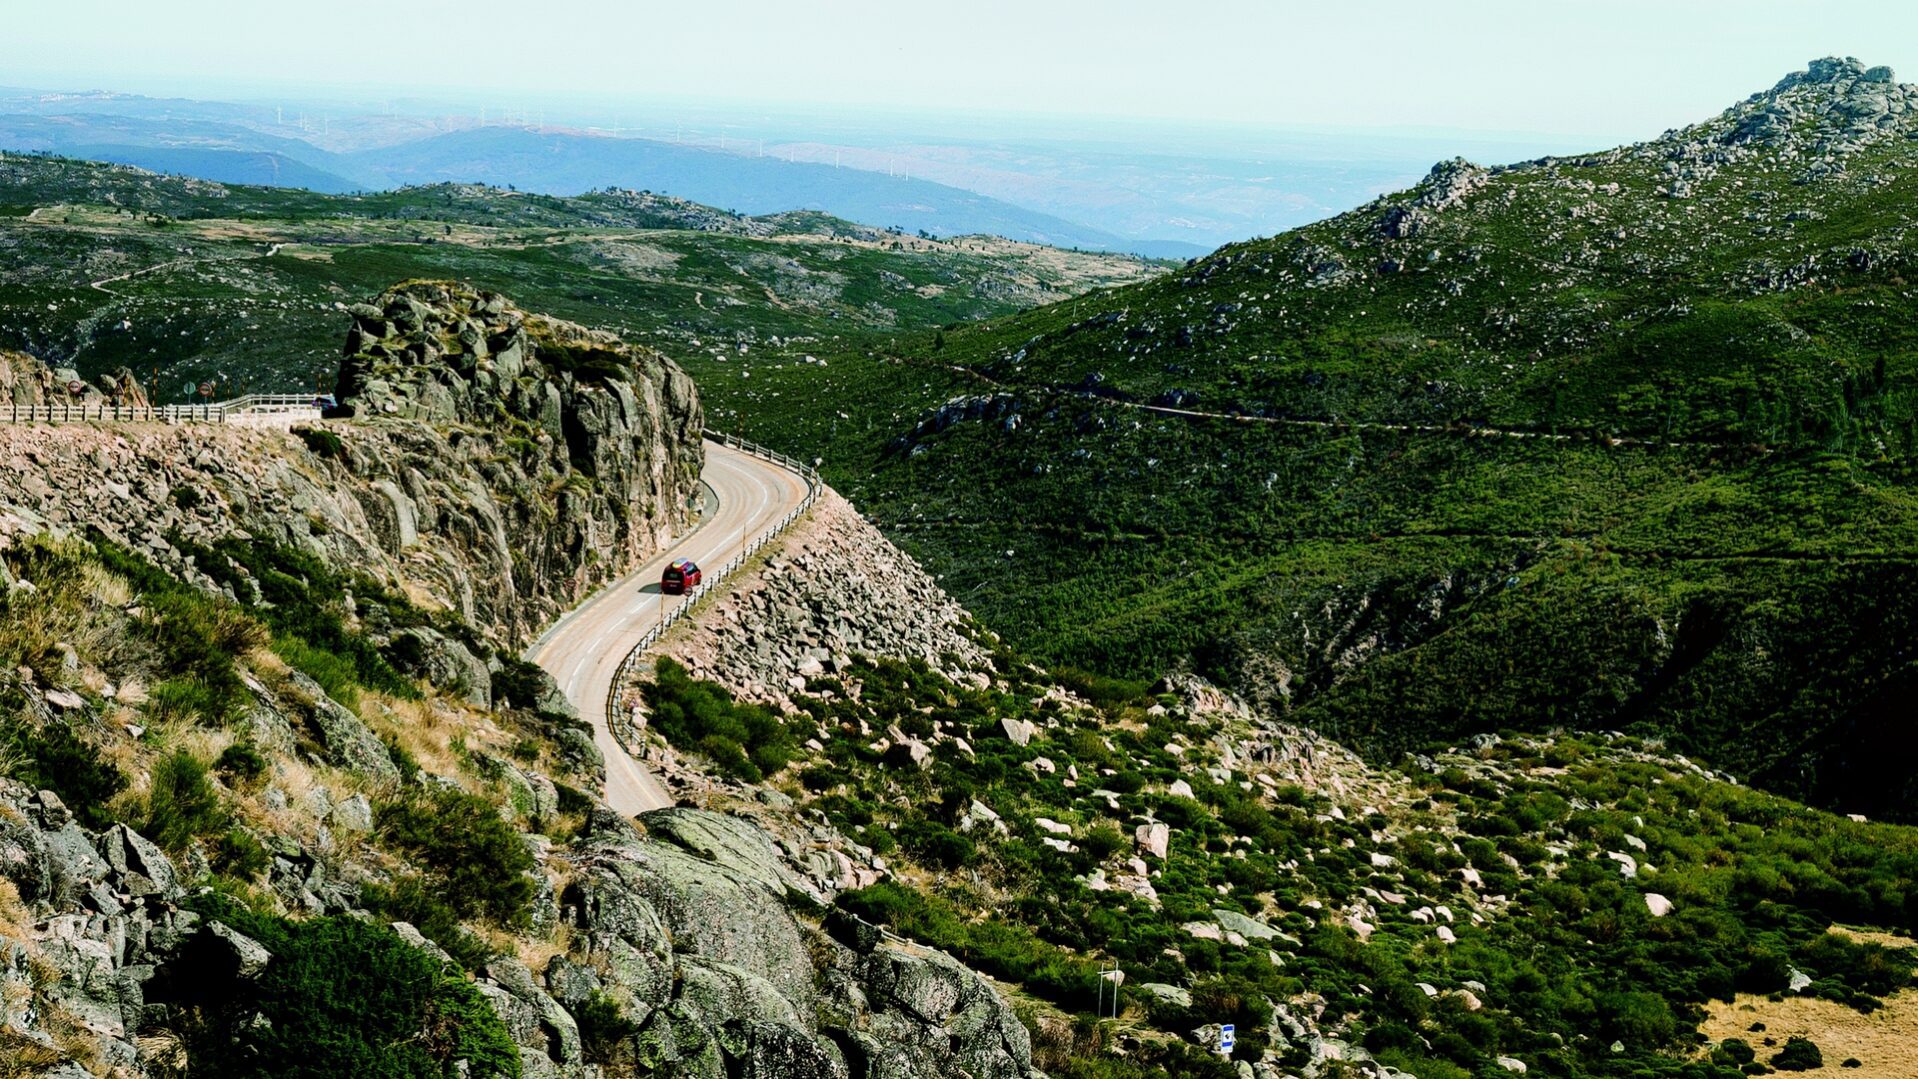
<point x="1605" y="69"/>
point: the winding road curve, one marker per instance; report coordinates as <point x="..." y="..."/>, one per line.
<point x="583" y="650"/>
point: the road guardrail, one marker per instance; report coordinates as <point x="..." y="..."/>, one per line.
<point x="293" y="405"/>
<point x="616" y="718"/>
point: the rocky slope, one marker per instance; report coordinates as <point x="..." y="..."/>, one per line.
<point x="686" y="924"/>
<point x="253" y="678"/>
<point x="834" y="588"/>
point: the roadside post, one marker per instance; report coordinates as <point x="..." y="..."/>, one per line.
<point x="1116" y="978"/>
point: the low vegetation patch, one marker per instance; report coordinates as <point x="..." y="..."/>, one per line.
<point x="744" y="741"/>
<point x="340" y="997"/>
<point x="460" y="837"/>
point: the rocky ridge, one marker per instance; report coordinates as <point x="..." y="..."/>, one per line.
<point x="24" y="380"/>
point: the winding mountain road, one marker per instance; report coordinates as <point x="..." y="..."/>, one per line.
<point x="583" y="650"/>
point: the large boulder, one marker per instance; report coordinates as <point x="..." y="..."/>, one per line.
<point x="732" y="842"/>
<point x="691" y="925"/>
<point x="349" y="744"/>
<point x="446" y="663"/>
<point x="139" y="868"/>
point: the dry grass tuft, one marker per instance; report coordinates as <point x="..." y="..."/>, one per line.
<point x="1885" y="1042"/>
<point x="1873" y="936"/>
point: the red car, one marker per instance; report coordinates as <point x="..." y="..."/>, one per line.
<point x="681" y="576"/>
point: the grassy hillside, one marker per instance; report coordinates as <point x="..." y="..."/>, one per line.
<point x="188" y="280"/>
<point x="1622" y="440"/>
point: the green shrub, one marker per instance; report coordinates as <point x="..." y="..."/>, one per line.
<point x="241" y="764"/>
<point x="1799" y="1054"/>
<point x="322" y="443"/>
<point x="422" y="904"/>
<point x="341" y="997"/>
<point x="182" y="803"/>
<point x="603" y="1028"/>
<point x="186" y="700"/>
<point x="935" y="843"/>
<point x="1004" y="949"/>
<point x="402" y="759"/>
<point x="239" y="855"/>
<point x="1106" y="692"/>
<point x="54" y="758"/>
<point x="585" y="361"/>
<point x="572" y="800"/>
<point x="302" y="600"/>
<point x="334" y="674"/>
<point x="1102" y="842"/>
<point x="518" y="684"/>
<point x="1736" y="1051"/>
<point x="475" y="860"/>
<point x="745" y="741"/>
<point x="198" y="636"/>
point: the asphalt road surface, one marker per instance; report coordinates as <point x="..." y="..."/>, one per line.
<point x="583" y="651"/>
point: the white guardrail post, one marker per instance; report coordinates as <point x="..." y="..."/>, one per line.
<point x="623" y="674"/>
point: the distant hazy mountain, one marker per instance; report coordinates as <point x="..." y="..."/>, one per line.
<point x="226" y="166"/>
<point x="209" y="150"/>
<point x="561" y="163"/>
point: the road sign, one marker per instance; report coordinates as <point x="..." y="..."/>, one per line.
<point x="1227" y="1038"/>
<point x="206" y="389"/>
<point x="76" y="387"/>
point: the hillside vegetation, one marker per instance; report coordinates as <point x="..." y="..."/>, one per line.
<point x="1616" y="441"/>
<point x="184" y="280"/>
<point x="1572" y="904"/>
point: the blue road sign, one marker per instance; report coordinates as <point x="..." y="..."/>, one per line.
<point x="1227" y="1037"/>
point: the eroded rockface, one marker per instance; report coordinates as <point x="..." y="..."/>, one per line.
<point x="522" y="486"/>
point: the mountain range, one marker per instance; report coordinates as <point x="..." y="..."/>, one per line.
<point x="1465" y="637"/>
<point x="548" y="161"/>
<point x="1621" y="440"/>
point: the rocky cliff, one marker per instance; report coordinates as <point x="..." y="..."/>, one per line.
<point x="592" y="446"/>
<point x="492" y="471"/>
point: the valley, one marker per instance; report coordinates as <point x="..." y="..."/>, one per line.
<point x="1462" y="638"/>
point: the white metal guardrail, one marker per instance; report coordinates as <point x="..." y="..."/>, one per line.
<point x="710" y="579"/>
<point x="292" y="405"/>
